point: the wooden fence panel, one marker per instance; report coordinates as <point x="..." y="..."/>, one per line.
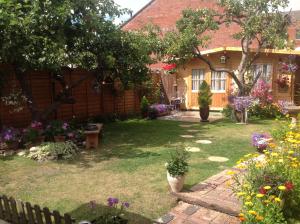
<point x="89" y="102"/>
<point x="14" y="212"/>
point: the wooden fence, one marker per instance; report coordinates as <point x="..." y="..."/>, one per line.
<point x="18" y="212"/>
<point x="89" y="103"/>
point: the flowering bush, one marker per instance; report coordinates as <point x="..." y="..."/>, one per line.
<point x="115" y="214"/>
<point x="262" y="92"/>
<point x="33" y="132"/>
<point x="242" y="103"/>
<point x="10" y="135"/>
<point x="270" y="189"/>
<point x="15" y="100"/>
<point x="170" y="68"/>
<point x="160" y="108"/>
<point x="56" y="128"/>
<point x="260" y="141"/>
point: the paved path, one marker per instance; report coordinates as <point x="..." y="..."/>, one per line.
<point x="191" y="116"/>
<point x="209" y="202"/>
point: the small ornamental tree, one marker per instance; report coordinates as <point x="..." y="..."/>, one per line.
<point x="204" y="100"/>
<point x="261" y="25"/>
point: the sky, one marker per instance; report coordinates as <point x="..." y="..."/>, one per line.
<point x="136" y="5"/>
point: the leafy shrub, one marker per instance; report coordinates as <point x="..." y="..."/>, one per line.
<point x="265" y="111"/>
<point x="56" y="128"/>
<point x="228" y="111"/>
<point x="152" y="113"/>
<point x="53" y="151"/>
<point x="204" y="95"/>
<point x="270" y="189"/>
<point x="144" y="106"/>
<point x="178" y="165"/>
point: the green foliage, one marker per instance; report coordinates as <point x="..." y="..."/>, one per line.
<point x="152" y="113"/>
<point x="177" y="165"/>
<point x="204" y="95"/>
<point x="144" y="106"/>
<point x="53" y="151"/>
<point x="228" y="111"/>
<point x="265" y="111"/>
<point x="279" y="134"/>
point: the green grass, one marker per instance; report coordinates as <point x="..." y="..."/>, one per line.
<point x="128" y="165"/>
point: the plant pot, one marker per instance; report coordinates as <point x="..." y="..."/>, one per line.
<point x="238" y="116"/>
<point x="176" y="183"/>
<point x="59" y="138"/>
<point x="204" y="114"/>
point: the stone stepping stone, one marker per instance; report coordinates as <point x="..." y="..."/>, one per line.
<point x="218" y="159"/>
<point x="205" y="142"/>
<point x="166" y="219"/>
<point x="185" y="125"/>
<point x="192" y="131"/>
<point x="192" y="149"/>
<point x="187" y="136"/>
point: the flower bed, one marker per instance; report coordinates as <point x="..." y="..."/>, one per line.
<point x="270" y="189"/>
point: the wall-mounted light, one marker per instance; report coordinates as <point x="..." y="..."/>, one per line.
<point x="223" y="59"/>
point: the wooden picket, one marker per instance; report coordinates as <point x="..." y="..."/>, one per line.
<point x="17" y="212"/>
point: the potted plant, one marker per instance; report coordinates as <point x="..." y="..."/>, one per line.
<point x="177" y="167"/>
<point x="57" y="130"/>
<point x="115" y="215"/>
<point x="204" y="101"/>
<point x="144" y="107"/>
<point x="260" y="141"/>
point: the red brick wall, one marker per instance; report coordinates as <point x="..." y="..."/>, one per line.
<point x="165" y="13"/>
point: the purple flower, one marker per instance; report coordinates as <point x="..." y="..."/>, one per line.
<point x="242" y="103"/>
<point x="260" y="140"/>
<point x="112" y="201"/>
<point x="125" y="204"/>
<point x="65" y="126"/>
<point x="160" y="108"/>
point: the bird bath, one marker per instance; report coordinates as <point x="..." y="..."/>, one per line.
<point x="293" y="112"/>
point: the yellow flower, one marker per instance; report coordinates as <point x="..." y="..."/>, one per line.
<point x="241" y="215"/>
<point x="248" y="198"/>
<point x="275" y="154"/>
<point x="280" y="160"/>
<point x="282" y="188"/>
<point x="248" y="203"/>
<point x="241" y="194"/>
<point x="277" y="199"/>
<point x="230" y="172"/>
<point x="260" y="195"/>
<point x="259" y="218"/>
<point x="251" y="212"/>
<point x="267" y="187"/>
<point x="266" y="201"/>
<point x="291" y="152"/>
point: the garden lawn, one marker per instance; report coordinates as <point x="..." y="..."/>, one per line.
<point x="129" y="165"/>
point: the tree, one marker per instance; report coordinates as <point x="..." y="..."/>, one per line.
<point x="262" y="25"/>
<point x="51" y="35"/>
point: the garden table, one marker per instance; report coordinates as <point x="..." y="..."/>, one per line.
<point x="92" y="137"/>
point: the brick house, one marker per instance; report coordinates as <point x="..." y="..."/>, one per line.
<point x="185" y="83"/>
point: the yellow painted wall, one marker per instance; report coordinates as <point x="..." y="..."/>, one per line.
<point x="220" y="100"/>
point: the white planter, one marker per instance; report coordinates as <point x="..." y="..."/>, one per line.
<point x="176" y="183"/>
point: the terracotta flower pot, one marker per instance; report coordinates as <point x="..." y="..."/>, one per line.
<point x="204" y="114"/>
<point x="59" y="138"/>
<point x="176" y="183"/>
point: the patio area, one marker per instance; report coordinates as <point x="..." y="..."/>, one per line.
<point x="191" y="116"/>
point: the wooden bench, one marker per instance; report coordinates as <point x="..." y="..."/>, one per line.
<point x="92" y="137"/>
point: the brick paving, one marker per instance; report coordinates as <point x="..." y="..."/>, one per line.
<point x="209" y="202"/>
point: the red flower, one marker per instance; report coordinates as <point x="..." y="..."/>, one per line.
<point x="262" y="190"/>
<point x="289" y="186"/>
<point x="169" y="67"/>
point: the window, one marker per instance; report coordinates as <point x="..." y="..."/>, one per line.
<point x="197" y="78"/>
<point x="265" y="71"/>
<point x="298" y="34"/>
<point x="218" y="81"/>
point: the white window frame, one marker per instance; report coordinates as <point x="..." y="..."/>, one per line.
<point x="199" y="80"/>
<point x="219" y="79"/>
<point x="264" y="75"/>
